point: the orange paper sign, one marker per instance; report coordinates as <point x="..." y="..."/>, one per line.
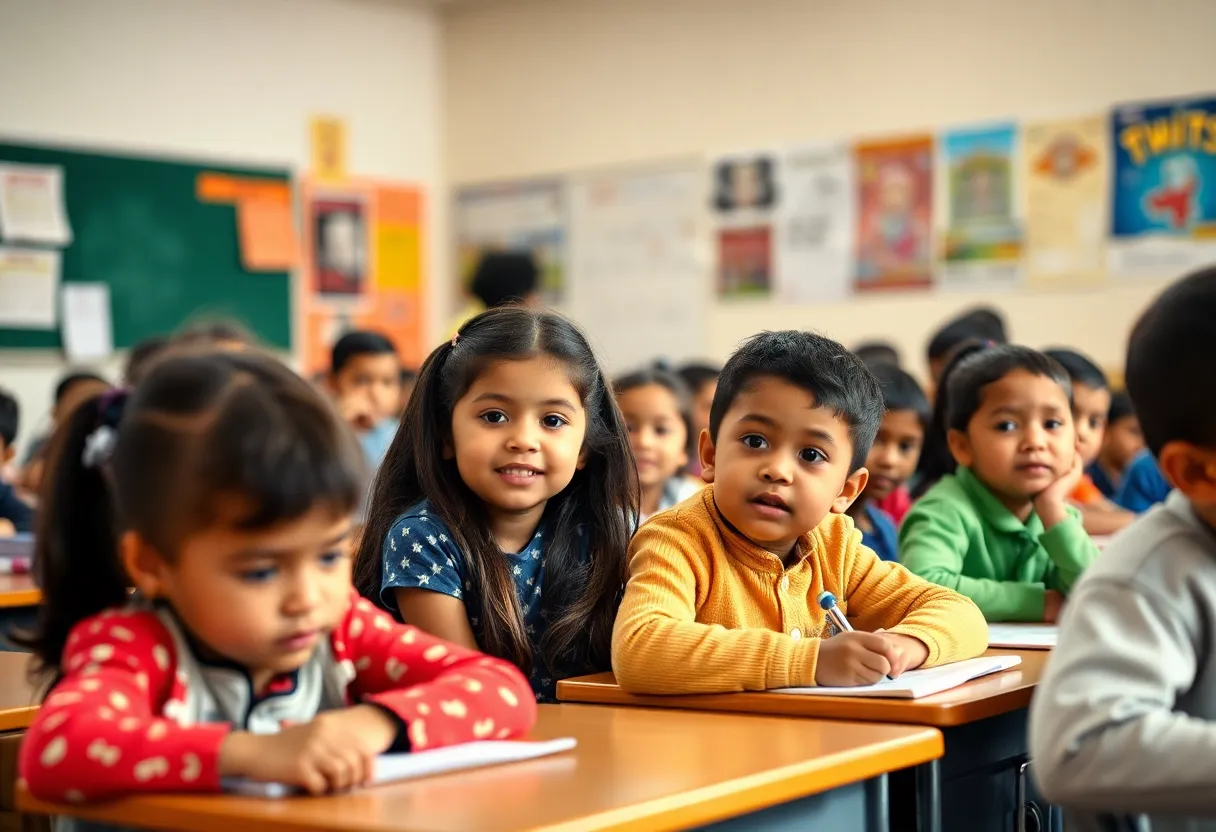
<point x="267" y="235"/>
<point x="219" y="187"/>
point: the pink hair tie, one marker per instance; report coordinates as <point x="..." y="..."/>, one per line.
<point x="455" y="338"/>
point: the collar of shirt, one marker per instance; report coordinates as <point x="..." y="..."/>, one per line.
<point x="992" y="511"/>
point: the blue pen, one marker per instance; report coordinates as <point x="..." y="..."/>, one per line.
<point x="827" y="603"/>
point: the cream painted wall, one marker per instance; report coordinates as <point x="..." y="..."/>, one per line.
<point x="221" y="79"/>
<point x="542" y="86"/>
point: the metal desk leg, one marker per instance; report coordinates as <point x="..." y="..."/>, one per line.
<point x="929" y="797"/>
<point x="879" y="799"/>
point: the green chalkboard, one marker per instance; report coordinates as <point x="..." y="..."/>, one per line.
<point x="138" y="225"/>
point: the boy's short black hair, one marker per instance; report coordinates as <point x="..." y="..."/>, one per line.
<point x="982" y="323"/>
<point x="10" y="417"/>
<point x="356" y="343"/>
<point x="1171" y="375"/>
<point x="1080" y="368"/>
<point x="73" y="378"/>
<point x="1120" y="407"/>
<point x="505" y="277"/>
<point x="837" y="379"/>
<point x="966" y="382"/>
<point x="901" y="392"/>
<point x="697" y="374"/>
<point x="874" y="353"/>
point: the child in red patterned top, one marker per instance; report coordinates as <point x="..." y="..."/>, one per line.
<point x="223" y="491"/>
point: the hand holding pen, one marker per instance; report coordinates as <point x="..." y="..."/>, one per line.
<point x="854" y="658"/>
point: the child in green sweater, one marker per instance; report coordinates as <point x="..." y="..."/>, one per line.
<point x="1000" y="529"/>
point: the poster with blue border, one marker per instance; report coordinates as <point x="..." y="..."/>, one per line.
<point x="1163" y="206"/>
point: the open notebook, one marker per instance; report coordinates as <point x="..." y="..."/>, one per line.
<point x="1023" y="636"/>
<point x="917" y="683"/>
<point x="390" y="767"/>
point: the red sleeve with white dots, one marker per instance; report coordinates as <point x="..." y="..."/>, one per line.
<point x="102" y="731"/>
<point x="444" y="694"/>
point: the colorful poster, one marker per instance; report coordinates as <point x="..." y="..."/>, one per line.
<point x="1163" y="218"/>
<point x="814" y="245"/>
<point x="983" y="241"/>
<point x="1066" y="169"/>
<point x="514" y="216"/>
<point x="894" y="214"/>
<point x="745" y="201"/>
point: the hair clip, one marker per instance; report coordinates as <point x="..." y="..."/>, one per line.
<point x="455" y="338"/>
<point x="98" y="446"/>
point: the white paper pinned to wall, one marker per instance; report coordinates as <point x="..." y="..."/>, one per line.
<point x="29" y="286"/>
<point x="88" y="332"/>
<point x="32" y="209"/>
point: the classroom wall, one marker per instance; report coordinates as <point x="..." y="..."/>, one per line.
<point x="229" y="80"/>
<point x="541" y="86"/>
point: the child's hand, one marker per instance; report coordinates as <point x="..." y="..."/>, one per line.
<point x="334" y="751"/>
<point x="357" y="409"/>
<point x="7" y="529"/>
<point x="855" y="658"/>
<point x="1053" y="603"/>
<point x="1051" y="504"/>
<point x="911" y="652"/>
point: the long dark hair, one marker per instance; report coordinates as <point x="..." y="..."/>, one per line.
<point x="580" y="597"/>
<point x="936" y="461"/>
<point x="202" y="426"/>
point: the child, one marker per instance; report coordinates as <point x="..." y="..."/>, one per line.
<point x="73" y="388"/>
<point x="701" y="380"/>
<point x="1120" y="444"/>
<point x="1090" y="403"/>
<point x="1144" y="486"/>
<point x="654" y="403"/>
<point x="502" y="512"/>
<point x="15" y="514"/>
<point x="1000" y="529"/>
<point x="223" y="490"/>
<point x="723" y="587"/>
<point x="892" y="458"/>
<point x="365" y="378"/>
<point x="1125" y="717"/>
<point x="874" y="353"/>
<point x="502" y="278"/>
<point x="979" y="324"/>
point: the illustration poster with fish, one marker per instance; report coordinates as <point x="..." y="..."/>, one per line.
<point x="1163" y="210"/>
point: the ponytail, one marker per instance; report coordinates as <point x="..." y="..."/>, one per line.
<point x="76" y="562"/>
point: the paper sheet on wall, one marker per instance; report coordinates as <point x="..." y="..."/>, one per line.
<point x="894" y="214"/>
<point x="983" y="240"/>
<point x="1067" y="173"/>
<point x="745" y="202"/>
<point x="814" y="224"/>
<point x="267" y="235"/>
<point x="514" y="216"/>
<point x="29" y="288"/>
<point x="31" y="205"/>
<point x="1163" y="220"/>
<point x="638" y="279"/>
<point x="87" y="330"/>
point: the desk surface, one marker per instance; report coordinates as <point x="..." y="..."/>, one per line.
<point x="978" y="699"/>
<point x="633" y="769"/>
<point x="18" y="591"/>
<point x="18" y="699"/>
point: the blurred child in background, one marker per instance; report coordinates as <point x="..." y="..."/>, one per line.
<point x="1120" y="444"/>
<point x="216" y="333"/>
<point x="982" y="323"/>
<point x="73" y="388"/>
<point x="873" y="353"/>
<point x="701" y="379"/>
<point x="502" y="278"/>
<point x="365" y="379"/>
<point x="15" y="514"/>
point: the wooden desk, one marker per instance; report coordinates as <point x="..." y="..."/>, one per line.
<point x="633" y="769"/>
<point x="18" y="591"/>
<point x="984" y="723"/>
<point x="18" y="699"/>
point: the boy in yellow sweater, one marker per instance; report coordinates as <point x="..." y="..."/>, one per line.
<point x="723" y="587"/>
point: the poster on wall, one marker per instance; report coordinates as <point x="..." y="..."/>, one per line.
<point x="638" y="272"/>
<point x="814" y="225"/>
<point x="745" y="201"/>
<point x="983" y="240"/>
<point x="894" y="214"/>
<point x="339" y="227"/>
<point x="1163" y="206"/>
<point x="514" y="216"/>
<point x="1066" y="168"/>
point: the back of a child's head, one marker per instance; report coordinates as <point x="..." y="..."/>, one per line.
<point x="901" y="392"/>
<point x="966" y="382"/>
<point x="1171" y="374"/>
<point x="837" y="378"/>
<point x="505" y="277"/>
<point x="1081" y="368"/>
<point x="980" y="324"/>
<point x="877" y="353"/>
<point x="420" y="464"/>
<point x="697" y="374"/>
<point x="358" y="343"/>
<point x="10" y="420"/>
<point x="208" y="437"/>
<point x="1121" y="407"/>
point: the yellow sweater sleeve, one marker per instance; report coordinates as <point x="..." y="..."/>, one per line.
<point x="886" y="595"/>
<point x="659" y="647"/>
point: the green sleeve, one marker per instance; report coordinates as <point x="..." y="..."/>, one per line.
<point x="934" y="542"/>
<point x="1071" y="550"/>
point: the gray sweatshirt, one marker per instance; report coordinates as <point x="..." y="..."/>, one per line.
<point x="1124" y="722"/>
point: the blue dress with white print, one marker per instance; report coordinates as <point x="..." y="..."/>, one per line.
<point x="419" y="553"/>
